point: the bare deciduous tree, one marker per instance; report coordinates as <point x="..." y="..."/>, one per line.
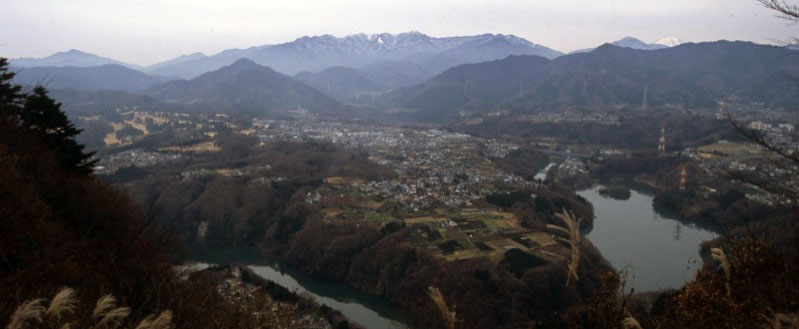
<point x="785" y="10"/>
<point x="786" y="157"/>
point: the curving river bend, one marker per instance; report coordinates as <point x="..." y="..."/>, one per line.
<point x="656" y="251"/>
<point x="367" y="310"/>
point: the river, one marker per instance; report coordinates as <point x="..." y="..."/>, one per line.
<point x="542" y="174"/>
<point x="367" y="310"/>
<point x="656" y="250"/>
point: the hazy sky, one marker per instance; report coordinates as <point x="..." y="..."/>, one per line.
<point x="148" y="31"/>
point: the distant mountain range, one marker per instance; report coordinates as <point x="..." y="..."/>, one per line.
<point x="341" y="83"/>
<point x="389" y="60"/>
<point x="669" y="41"/>
<point x="633" y="43"/>
<point x="317" y="53"/>
<point x="406" y="72"/>
<point x="243" y="86"/>
<point x="103" y="77"/>
<point x="471" y="86"/>
<point x="72" y="57"/>
<point x="164" y="66"/>
<point x="104" y="101"/>
<point x="691" y="75"/>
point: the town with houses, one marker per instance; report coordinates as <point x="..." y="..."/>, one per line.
<point x="442" y="177"/>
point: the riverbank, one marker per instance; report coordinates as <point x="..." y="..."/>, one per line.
<point x="368" y="311"/>
<point x="271" y="304"/>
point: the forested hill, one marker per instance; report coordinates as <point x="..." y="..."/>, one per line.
<point x="62" y="227"/>
<point x="690" y="75"/>
<point x="340" y="83"/>
<point x="103" y="77"/>
<point x="243" y="86"/>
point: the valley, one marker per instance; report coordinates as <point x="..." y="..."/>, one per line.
<point x="406" y="181"/>
<point x="450" y="196"/>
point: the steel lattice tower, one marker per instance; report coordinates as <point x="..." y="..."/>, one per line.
<point x="683" y="177"/>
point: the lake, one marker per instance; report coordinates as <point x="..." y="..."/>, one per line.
<point x="657" y="251"/>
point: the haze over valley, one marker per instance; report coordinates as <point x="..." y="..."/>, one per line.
<point x="403" y="180"/>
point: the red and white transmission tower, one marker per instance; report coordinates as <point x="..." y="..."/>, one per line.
<point x="683" y="176"/>
<point x="662" y="142"/>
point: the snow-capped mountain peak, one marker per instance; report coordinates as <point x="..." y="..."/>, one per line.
<point x="669" y="42"/>
<point x="316" y="53"/>
<point x="393" y="42"/>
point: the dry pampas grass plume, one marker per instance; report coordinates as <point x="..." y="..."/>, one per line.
<point x="104" y="304"/>
<point x="114" y="317"/>
<point x="63" y="302"/>
<point x="438" y="299"/>
<point x="108" y="313"/>
<point x="630" y="322"/>
<point x="163" y="321"/>
<point x="29" y="310"/>
<point x="781" y="320"/>
<point x="572" y="231"/>
<point x="719" y="255"/>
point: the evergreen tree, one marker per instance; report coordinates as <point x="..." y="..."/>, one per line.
<point x="10" y="96"/>
<point x="39" y="113"/>
<point x="43" y="115"/>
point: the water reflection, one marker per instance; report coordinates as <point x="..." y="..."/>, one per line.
<point x="657" y="251"/>
<point x="358" y="307"/>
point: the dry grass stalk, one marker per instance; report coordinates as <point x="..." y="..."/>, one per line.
<point x="719" y="255"/>
<point x="104" y="304"/>
<point x="438" y="299"/>
<point x="113" y="318"/>
<point x="630" y="323"/>
<point x="782" y="320"/>
<point x="163" y="321"/>
<point x="29" y="310"/>
<point x="109" y="315"/>
<point x="572" y="230"/>
<point x="63" y="302"/>
<point x="147" y="323"/>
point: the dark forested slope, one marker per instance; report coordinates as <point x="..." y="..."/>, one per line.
<point x="690" y="75"/>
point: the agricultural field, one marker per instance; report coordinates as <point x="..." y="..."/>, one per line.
<point x="475" y="232"/>
<point x="737" y="151"/>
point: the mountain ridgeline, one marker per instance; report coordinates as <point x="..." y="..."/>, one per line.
<point x="634" y="43"/>
<point x="91" y="78"/>
<point x="690" y="75"/>
<point x="321" y="52"/>
<point x="341" y="83"/>
<point x="72" y="57"/>
<point x="243" y="86"/>
<point x="434" y="78"/>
